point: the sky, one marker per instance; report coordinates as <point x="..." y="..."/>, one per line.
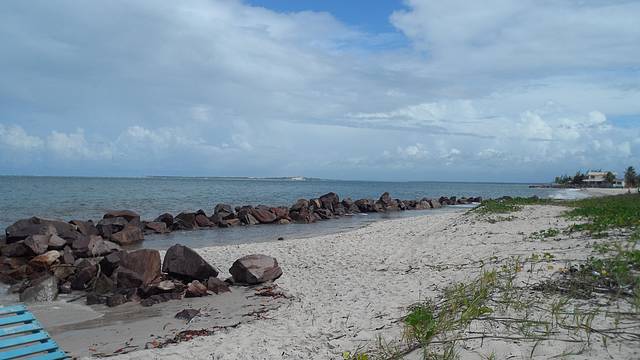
<point x="498" y="90"/>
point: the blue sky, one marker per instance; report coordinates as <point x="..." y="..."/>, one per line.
<point x="502" y="90"/>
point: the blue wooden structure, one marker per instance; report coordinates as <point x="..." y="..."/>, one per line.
<point x="22" y="337"/>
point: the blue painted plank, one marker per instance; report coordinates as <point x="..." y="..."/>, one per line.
<point x="12" y="309"/>
<point x="23" y="339"/>
<point x="57" y="355"/>
<point x="34" y="326"/>
<point x="49" y="345"/>
<point x="26" y="317"/>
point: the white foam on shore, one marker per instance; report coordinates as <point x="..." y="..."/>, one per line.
<point x="569" y="194"/>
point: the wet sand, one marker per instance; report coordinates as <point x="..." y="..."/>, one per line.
<point x="96" y="331"/>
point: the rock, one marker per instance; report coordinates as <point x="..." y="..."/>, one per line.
<point x="56" y="242"/>
<point x="128" y="215"/>
<point x="255" y="269"/>
<point x="263" y="216"/>
<point x="86" y="228"/>
<point x="157" y="227"/>
<point x="185" y="221"/>
<point x="223" y="210"/>
<point x="43" y="289"/>
<point x="435" y="204"/>
<point x="63" y="272"/>
<point x="80" y="246"/>
<point x="165" y="286"/>
<point x="67" y="256"/>
<point x="129" y="235"/>
<point x="299" y="205"/>
<point x="83" y="277"/>
<point x="196" y="289"/>
<point x="329" y="201"/>
<point x="138" y="268"/>
<point x="324" y="214"/>
<point x="64" y="288"/>
<point x="116" y="300"/>
<point x="387" y="203"/>
<point x="16" y="249"/>
<point x="365" y="205"/>
<point x="165" y="218"/>
<point x="13" y="270"/>
<point x="314" y="204"/>
<point x="187" y="314"/>
<point x="103" y="285"/>
<point x="21" y="229"/>
<point x="94" y="299"/>
<point x="217" y="286"/>
<point x="281" y="213"/>
<point x="203" y="221"/>
<point x="38" y="244"/>
<point x="99" y="247"/>
<point x="109" y="226"/>
<point x="184" y="263"/>
<point x="284" y="222"/>
<point x="302" y="216"/>
<point x="248" y="219"/>
<point x="160" y="298"/>
<point x="110" y="263"/>
<point x="229" y="223"/>
<point x="339" y="210"/>
<point x="349" y="206"/>
<point x="45" y="260"/>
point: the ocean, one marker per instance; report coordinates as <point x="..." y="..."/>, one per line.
<point x="85" y="198"/>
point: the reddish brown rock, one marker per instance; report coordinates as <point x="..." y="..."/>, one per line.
<point x="196" y="289"/>
<point x="138" y="268"/>
<point x="255" y="269"/>
<point x="157" y="227"/>
<point x="130" y="216"/>
<point x="264" y="216"/>
<point x="129" y="235"/>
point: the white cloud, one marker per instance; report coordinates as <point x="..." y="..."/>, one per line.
<point x="14" y="138"/>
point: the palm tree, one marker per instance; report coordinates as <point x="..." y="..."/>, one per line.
<point x="630" y="177"/>
<point x="610" y="178"/>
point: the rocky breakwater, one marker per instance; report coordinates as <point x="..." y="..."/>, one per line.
<point x="325" y="207"/>
<point x="42" y="258"/>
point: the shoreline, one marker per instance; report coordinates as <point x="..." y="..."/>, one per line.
<point x="352" y="287"/>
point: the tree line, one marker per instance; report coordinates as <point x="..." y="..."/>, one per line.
<point x="631" y="178"/>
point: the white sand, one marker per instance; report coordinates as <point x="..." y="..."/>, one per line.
<point x="349" y="288"/>
<point x="608" y="192"/>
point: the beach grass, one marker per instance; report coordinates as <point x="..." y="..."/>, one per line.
<point x="564" y="308"/>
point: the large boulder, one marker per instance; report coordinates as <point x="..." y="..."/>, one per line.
<point x="109" y="226"/>
<point x="16" y="249"/>
<point x="185" y="221"/>
<point x="184" y="263"/>
<point x="302" y="216"/>
<point x="156" y="227"/>
<point x="44" y="261"/>
<point x="129" y="235"/>
<point x="41" y="290"/>
<point x="13" y="270"/>
<point x="100" y="247"/>
<point x="21" y="229"/>
<point x="86" y="228"/>
<point x="350" y="206"/>
<point x="387" y="203"/>
<point x="138" y="268"/>
<point x="263" y="215"/>
<point x="280" y="212"/>
<point x="255" y="269"/>
<point x="165" y="218"/>
<point x="329" y="201"/>
<point x="223" y="210"/>
<point x="366" y="205"/>
<point x="203" y="221"/>
<point x="38" y="244"/>
<point x="299" y="205"/>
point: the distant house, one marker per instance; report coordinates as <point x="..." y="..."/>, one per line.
<point x="599" y="179"/>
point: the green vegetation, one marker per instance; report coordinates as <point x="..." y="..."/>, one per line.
<point x="508" y="204"/>
<point x="576" y="305"/>
<point x="601" y="214"/>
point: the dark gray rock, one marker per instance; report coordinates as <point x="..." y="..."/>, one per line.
<point x="184" y="263"/>
<point x="43" y="289"/>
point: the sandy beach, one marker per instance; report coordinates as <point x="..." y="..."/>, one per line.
<point x="349" y="289"/>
